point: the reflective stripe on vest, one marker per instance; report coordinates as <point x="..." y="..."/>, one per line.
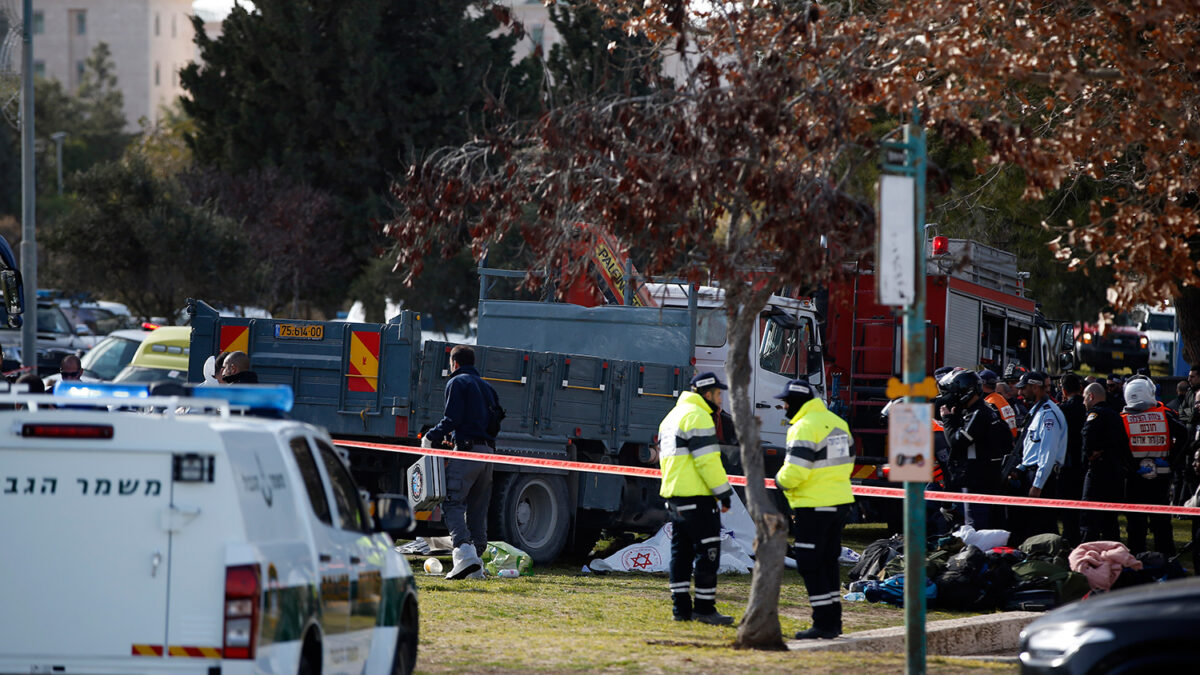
<point x="1149" y="434"/>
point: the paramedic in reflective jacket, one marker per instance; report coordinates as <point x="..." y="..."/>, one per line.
<point x="815" y="477"/>
<point x="468" y="483"/>
<point x="1156" y="437"/>
<point x="693" y="483"/>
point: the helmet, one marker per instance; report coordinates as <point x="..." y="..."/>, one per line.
<point x="1139" y="393"/>
<point x="962" y="388"/>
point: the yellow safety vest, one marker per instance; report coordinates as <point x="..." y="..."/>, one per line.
<point x="819" y="459"/>
<point x="688" y="452"/>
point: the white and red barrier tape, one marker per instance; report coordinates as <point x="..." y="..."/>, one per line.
<point x="859" y="490"/>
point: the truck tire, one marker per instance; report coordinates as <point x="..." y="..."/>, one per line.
<point x="533" y="513"/>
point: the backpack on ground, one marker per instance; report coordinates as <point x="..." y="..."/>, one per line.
<point x="891" y="590"/>
<point x="875" y="557"/>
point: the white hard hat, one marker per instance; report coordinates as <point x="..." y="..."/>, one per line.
<point x="1139" y="393"/>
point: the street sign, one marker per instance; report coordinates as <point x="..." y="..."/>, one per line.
<point x="910" y="442"/>
<point x="895" y="248"/>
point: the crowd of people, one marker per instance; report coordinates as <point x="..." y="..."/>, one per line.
<point x="1094" y="439"/>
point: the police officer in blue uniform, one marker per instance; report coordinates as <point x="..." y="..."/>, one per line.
<point x="1044" y="450"/>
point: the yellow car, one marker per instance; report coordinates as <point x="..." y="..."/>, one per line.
<point x="163" y="355"/>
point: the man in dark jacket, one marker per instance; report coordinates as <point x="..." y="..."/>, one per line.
<point x="1070" y="481"/>
<point x="469" y="400"/>
<point x="236" y="369"/>
<point x="975" y="434"/>
<point x="1106" y="454"/>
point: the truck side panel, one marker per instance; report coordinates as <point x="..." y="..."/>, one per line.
<point x="655" y="334"/>
<point x="353" y="379"/>
<point x="555" y="397"/>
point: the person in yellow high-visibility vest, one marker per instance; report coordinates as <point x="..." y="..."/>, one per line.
<point x="694" y="484"/>
<point x="816" y="480"/>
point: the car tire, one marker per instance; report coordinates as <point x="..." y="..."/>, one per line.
<point x="404" y="659"/>
<point x="533" y="513"/>
<point x="310" y="655"/>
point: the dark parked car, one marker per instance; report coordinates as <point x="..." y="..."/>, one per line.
<point x="1119" y="347"/>
<point x="1142" y="629"/>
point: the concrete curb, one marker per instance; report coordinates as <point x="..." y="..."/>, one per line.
<point x="985" y="634"/>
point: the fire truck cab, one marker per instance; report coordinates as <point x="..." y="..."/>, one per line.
<point x="978" y="314"/>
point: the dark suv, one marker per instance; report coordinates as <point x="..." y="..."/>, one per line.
<point x="1119" y="347"/>
<point x="55" y="338"/>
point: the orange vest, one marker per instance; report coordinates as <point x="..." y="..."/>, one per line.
<point x="1006" y="411"/>
<point x="1149" y="434"/>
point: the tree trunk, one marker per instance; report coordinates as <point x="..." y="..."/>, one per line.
<point x="1187" y="314"/>
<point x="759" y="628"/>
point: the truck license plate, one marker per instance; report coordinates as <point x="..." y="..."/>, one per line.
<point x="1118" y="355"/>
<point x="299" y="331"/>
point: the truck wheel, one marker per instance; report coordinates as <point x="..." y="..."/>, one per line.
<point x="532" y="514"/>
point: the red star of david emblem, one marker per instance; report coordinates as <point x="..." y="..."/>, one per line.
<point x="641" y="561"/>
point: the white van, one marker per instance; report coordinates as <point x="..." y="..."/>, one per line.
<point x="179" y="537"/>
<point x="1158" y="323"/>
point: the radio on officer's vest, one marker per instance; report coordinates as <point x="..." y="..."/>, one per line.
<point x="426" y="483"/>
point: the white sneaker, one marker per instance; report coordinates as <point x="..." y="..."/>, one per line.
<point x="466" y="561"/>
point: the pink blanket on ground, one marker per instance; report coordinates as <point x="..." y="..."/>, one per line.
<point x="1101" y="562"/>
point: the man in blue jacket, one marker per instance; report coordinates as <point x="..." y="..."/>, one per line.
<point x="468" y="483"/>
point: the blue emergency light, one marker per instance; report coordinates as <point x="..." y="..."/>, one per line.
<point x="100" y="390"/>
<point x="253" y="396"/>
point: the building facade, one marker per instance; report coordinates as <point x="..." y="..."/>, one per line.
<point x="150" y="41"/>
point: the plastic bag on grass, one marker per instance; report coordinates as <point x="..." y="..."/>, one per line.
<point x="501" y="555"/>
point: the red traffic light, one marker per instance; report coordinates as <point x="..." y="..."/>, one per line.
<point x="941" y="245"/>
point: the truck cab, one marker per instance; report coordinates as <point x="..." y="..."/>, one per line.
<point x="1158" y="323"/>
<point x="786" y="346"/>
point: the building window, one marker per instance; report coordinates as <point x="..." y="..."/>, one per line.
<point x="173" y="16"/>
<point x="39" y="69"/>
<point x="174" y="76"/>
<point x="538" y="35"/>
<point x="157" y="32"/>
<point x="79" y="68"/>
<point x="156" y="78"/>
<point x="81" y="22"/>
<point x="39" y="23"/>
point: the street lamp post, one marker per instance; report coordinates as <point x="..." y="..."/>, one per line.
<point x="28" y="240"/>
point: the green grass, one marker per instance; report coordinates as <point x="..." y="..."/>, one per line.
<point x="562" y="620"/>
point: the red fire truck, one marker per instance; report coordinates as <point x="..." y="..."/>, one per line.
<point x="977" y="315"/>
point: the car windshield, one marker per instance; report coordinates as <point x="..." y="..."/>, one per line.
<point x="50" y="319"/>
<point x="1163" y="322"/>
<point x="107" y="359"/>
<point x="143" y="374"/>
<point x="98" y="320"/>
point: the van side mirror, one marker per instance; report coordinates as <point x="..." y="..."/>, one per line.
<point x="10" y="284"/>
<point x="393" y="514"/>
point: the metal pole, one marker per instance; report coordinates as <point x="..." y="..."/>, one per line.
<point x="914" y="372"/>
<point x="28" y="194"/>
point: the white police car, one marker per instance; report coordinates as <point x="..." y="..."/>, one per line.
<point x="159" y="540"/>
